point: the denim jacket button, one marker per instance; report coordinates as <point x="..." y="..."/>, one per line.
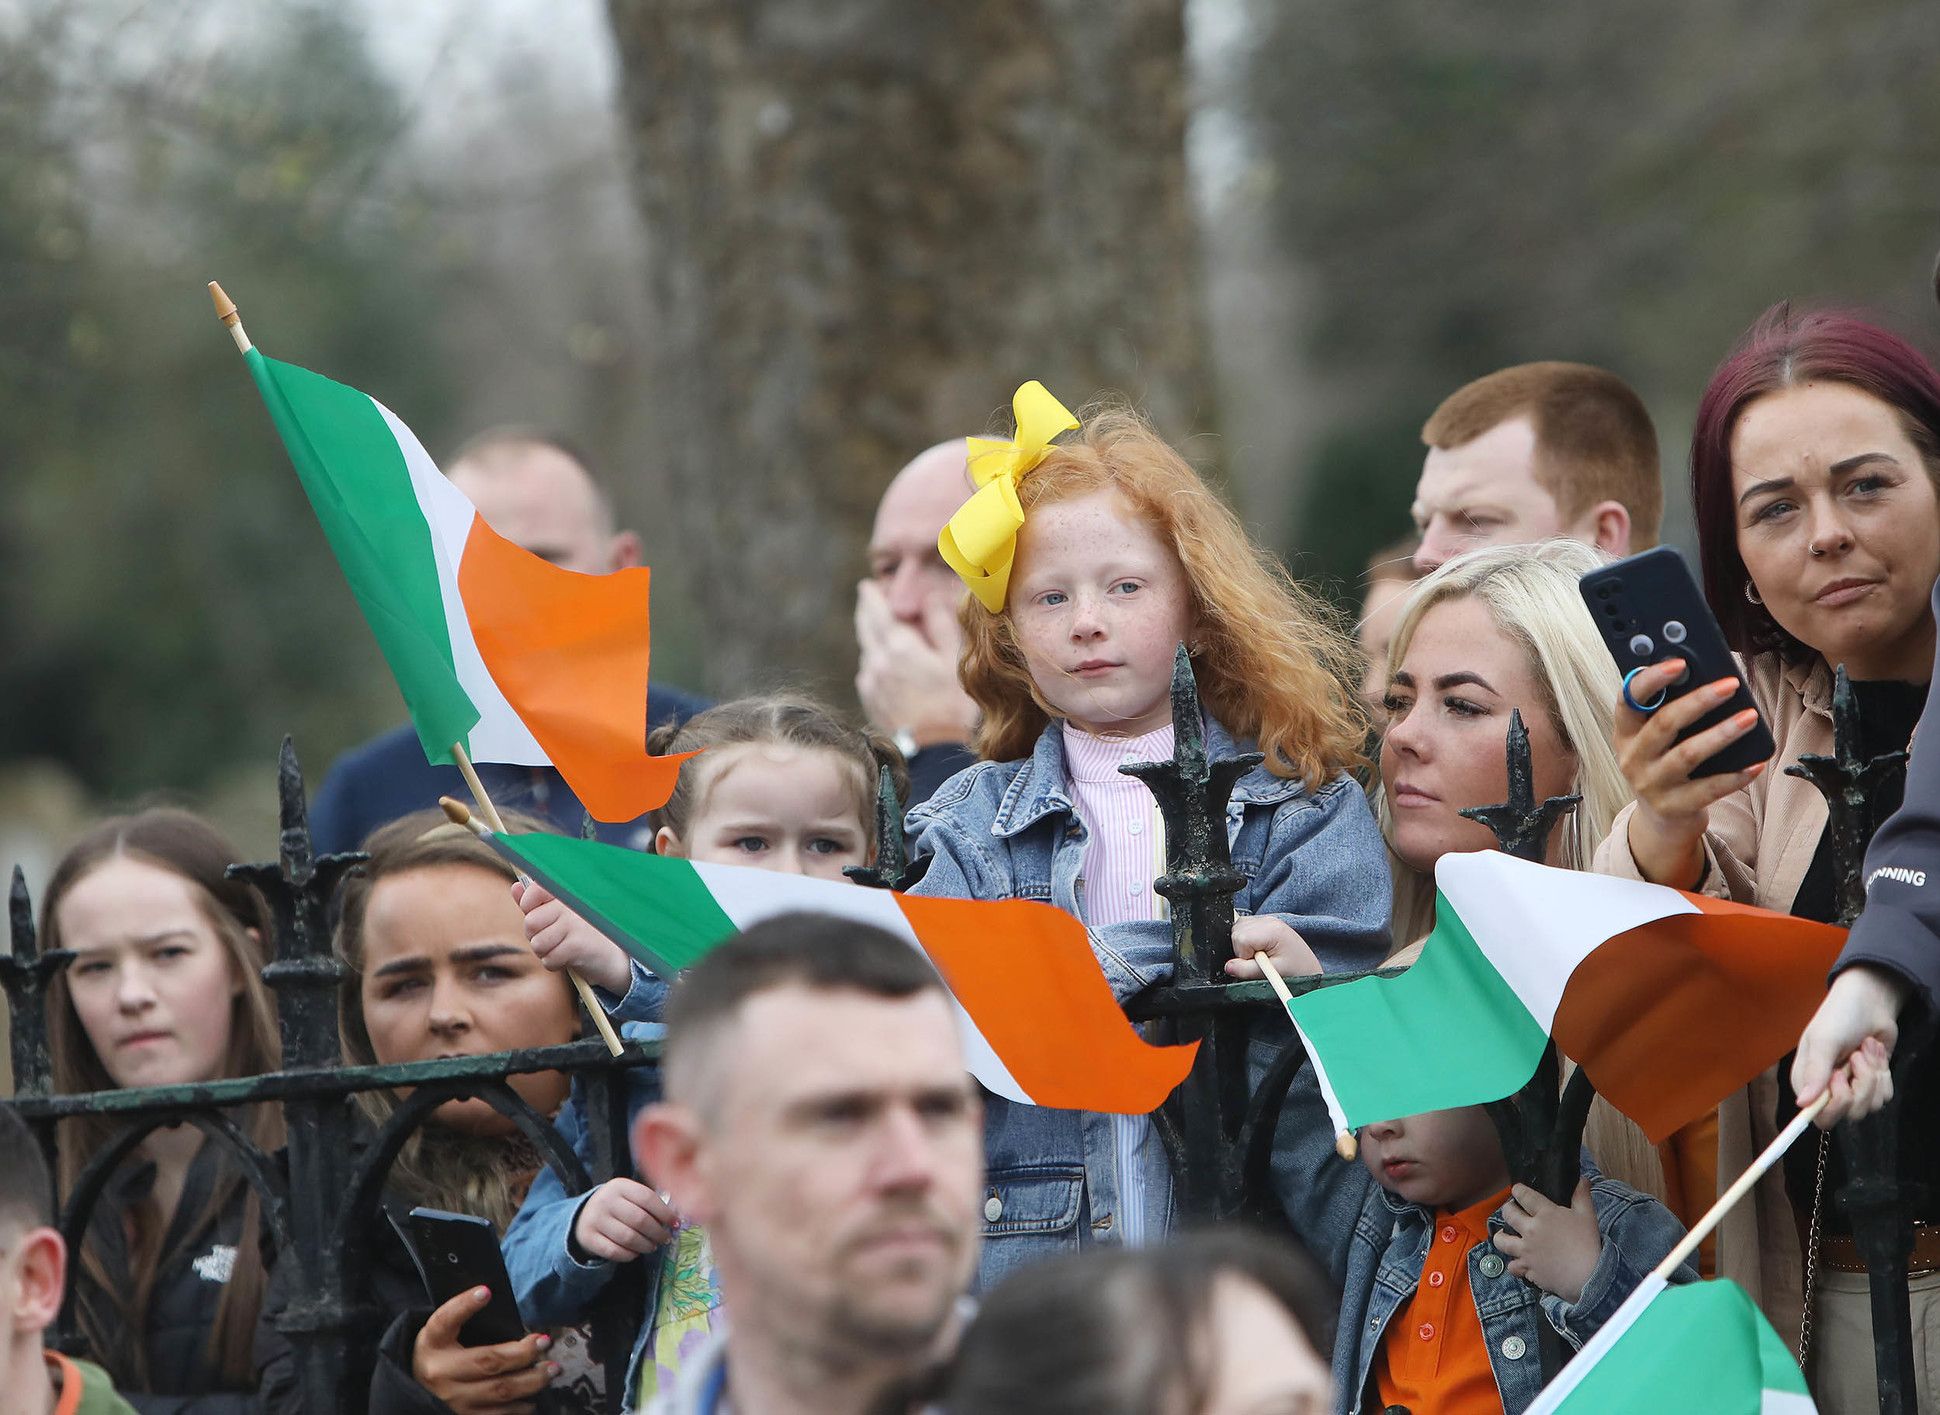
<point x="993" y="1209"/>
<point x="1491" y="1265"/>
<point x="1513" y="1347"/>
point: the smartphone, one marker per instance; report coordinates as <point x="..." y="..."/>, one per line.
<point x="457" y="1252"/>
<point x="1649" y="608"/>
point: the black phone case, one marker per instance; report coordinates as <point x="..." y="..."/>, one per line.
<point x="1649" y="608"/>
<point x="456" y="1252"/>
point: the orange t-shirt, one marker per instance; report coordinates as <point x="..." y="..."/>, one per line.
<point x="1690" y="1158"/>
<point x="1434" y="1359"/>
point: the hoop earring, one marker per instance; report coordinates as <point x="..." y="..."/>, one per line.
<point x="1751" y="595"/>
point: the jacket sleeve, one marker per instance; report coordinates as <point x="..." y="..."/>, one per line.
<point x="644" y="999"/>
<point x="1899" y="929"/>
<point x="393" y="1389"/>
<point x="551" y="1286"/>
<point x="1325" y="874"/>
<point x="1322" y="1195"/>
<point x="1638" y="1232"/>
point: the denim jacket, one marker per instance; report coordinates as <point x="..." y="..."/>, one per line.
<point x="1375" y="1245"/>
<point x="551" y="1286"/>
<point x="1009" y="830"/>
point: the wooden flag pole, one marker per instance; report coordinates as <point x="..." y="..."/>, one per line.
<point x="226" y="312"/>
<point x="458" y="814"/>
<point x="1344" y="1143"/>
<point x="1741" y="1186"/>
<point x="232" y="321"/>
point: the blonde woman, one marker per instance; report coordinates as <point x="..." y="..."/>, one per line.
<point x="1494" y="630"/>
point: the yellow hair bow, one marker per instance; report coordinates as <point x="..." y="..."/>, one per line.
<point x="980" y="542"/>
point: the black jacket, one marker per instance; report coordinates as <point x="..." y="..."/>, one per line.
<point x="1900" y="928"/>
<point x="397" y="1307"/>
<point x="197" y="1259"/>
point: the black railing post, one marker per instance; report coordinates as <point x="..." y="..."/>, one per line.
<point x="1201" y="1121"/>
<point x="26" y="972"/>
<point x="1873" y="1196"/>
<point x="892" y="869"/>
<point x="1541" y="1127"/>
<point x="306" y="975"/>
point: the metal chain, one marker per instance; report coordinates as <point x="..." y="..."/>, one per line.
<point x="1812" y="1253"/>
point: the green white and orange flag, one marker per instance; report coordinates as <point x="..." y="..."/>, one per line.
<point x="1700" y="1348"/>
<point x="1670" y="1001"/>
<point x="1038" y="1019"/>
<point x="496" y="650"/>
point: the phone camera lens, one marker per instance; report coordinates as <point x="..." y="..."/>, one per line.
<point x="1674" y="632"/>
<point x="1640" y="644"/>
<point x="452" y="1258"/>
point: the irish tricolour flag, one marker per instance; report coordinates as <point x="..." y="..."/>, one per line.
<point x="1670" y="1001"/>
<point x="1038" y="1019"/>
<point x="496" y="650"/>
<point x="1702" y="1348"/>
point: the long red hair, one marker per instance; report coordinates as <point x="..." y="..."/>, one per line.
<point x="1272" y="661"/>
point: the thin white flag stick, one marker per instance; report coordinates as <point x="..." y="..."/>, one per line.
<point x="1741" y="1186"/>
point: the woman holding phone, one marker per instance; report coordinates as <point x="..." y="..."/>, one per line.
<point x="1814" y="465"/>
<point x="438" y="965"/>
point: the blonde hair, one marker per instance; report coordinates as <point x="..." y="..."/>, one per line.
<point x="484" y="1175"/>
<point x="1272" y="662"/>
<point x="114" y="1316"/>
<point x="1531" y="595"/>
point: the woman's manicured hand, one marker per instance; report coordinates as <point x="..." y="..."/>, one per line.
<point x="479" y="1380"/>
<point x="1673" y="807"/>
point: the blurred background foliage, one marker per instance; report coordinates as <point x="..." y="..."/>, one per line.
<point x="431" y="202"/>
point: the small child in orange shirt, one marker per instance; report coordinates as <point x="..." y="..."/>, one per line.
<point x="1448" y="1271"/>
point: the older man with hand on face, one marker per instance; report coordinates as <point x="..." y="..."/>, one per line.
<point x="906" y="622"/>
<point x="820" y="1126"/>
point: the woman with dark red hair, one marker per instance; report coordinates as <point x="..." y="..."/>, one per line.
<point x="1814" y="466"/>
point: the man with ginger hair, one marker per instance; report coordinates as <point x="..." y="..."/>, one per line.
<point x="1535" y="451"/>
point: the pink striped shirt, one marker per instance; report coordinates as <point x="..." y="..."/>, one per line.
<point x="1124" y="852"/>
<point x="1125" y="849"/>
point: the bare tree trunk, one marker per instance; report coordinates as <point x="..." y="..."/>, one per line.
<point x="868" y="221"/>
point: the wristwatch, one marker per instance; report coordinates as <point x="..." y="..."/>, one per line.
<point x="905" y="741"/>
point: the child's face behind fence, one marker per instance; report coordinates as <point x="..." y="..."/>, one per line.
<point x="152" y="982"/>
<point x="1442" y="1159"/>
<point x="447" y="972"/>
<point x="795" y="810"/>
<point x="1099" y="604"/>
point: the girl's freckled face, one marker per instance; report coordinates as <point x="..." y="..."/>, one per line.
<point x="1100" y="604"/>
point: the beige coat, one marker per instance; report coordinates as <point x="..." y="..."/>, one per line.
<point x="1760" y="844"/>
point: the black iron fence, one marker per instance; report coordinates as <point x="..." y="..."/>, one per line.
<point x="320" y="1198"/>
